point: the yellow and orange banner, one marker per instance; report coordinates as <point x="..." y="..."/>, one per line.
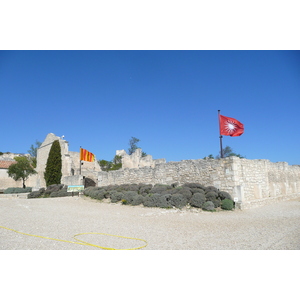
<point x="86" y="155"/>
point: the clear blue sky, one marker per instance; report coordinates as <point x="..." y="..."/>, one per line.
<point x="167" y="99"/>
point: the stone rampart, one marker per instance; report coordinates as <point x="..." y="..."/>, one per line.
<point x="251" y="182"/>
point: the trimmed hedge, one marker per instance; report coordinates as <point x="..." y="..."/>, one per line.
<point x="17" y="190"/>
<point x="197" y="200"/>
<point x="208" y="205"/>
<point x="54" y="190"/>
<point x="161" y="195"/>
<point x="227" y="204"/>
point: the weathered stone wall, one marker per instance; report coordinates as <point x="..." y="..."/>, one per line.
<point x="73" y="180"/>
<point x="251" y="182"/>
<point x="207" y="172"/>
<point x="6" y="181"/>
<point x="261" y="181"/>
<point x="136" y="160"/>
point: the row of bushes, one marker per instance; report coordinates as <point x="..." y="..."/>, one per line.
<point x="17" y="190"/>
<point x="165" y="196"/>
<point x="54" y="190"/>
<point x="158" y="195"/>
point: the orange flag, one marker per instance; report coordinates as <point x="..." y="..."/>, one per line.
<point x="86" y="155"/>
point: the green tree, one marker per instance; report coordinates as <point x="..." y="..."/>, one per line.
<point x="21" y="170"/>
<point x="33" y="149"/>
<point x="53" y="172"/>
<point x="105" y="165"/>
<point x="133" y="146"/>
<point x="115" y="164"/>
<point x="33" y="152"/>
<point x="227" y="151"/>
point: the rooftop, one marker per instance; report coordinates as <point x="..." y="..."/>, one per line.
<point x="4" y="164"/>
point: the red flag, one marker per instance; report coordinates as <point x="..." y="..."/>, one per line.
<point x="230" y="126"/>
<point x="86" y="155"/>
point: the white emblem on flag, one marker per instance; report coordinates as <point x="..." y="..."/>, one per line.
<point x="230" y="126"/>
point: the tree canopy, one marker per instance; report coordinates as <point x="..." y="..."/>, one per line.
<point x="33" y="152"/>
<point x="21" y="170"/>
<point x="33" y="148"/>
<point x="133" y="146"/>
<point x="115" y="164"/>
<point x="227" y="152"/>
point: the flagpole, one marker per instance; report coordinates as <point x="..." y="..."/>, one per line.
<point x="221" y="147"/>
<point x="80" y="161"/>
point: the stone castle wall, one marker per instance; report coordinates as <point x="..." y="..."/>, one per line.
<point x="6" y="181"/>
<point x="251" y="182"/>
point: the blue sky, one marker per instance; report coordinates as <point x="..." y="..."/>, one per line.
<point x="167" y="99"/>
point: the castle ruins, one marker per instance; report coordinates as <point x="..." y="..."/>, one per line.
<point x="250" y="182"/>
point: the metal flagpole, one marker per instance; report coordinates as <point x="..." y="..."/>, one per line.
<point x="221" y="147"/>
<point x="80" y="161"/>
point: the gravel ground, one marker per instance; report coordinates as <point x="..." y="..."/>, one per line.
<point x="275" y="226"/>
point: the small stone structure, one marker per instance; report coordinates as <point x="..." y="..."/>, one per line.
<point x="70" y="163"/>
<point x="136" y="160"/>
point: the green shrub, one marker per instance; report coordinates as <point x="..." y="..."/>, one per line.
<point x="159" y="195"/>
<point x="129" y="196"/>
<point x="151" y="200"/>
<point x="159" y="188"/>
<point x="227" y="204"/>
<point x="210" y="189"/>
<point x="17" y="190"/>
<point x="224" y="195"/>
<point x="208" y="205"/>
<point x="124" y="187"/>
<point x="86" y="191"/>
<point x="61" y="193"/>
<point x="170" y="192"/>
<point x="178" y="200"/>
<point x="197" y="200"/>
<point x="53" y="188"/>
<point x="164" y="201"/>
<point x="216" y="202"/>
<point x="35" y="194"/>
<point x="211" y="196"/>
<point x="185" y="192"/>
<point x="145" y="189"/>
<point x="134" y="187"/>
<point x="116" y="196"/>
<point x="97" y="193"/>
<point x="194" y="185"/>
<point x="197" y="190"/>
<point x="137" y="200"/>
<point x="100" y="194"/>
